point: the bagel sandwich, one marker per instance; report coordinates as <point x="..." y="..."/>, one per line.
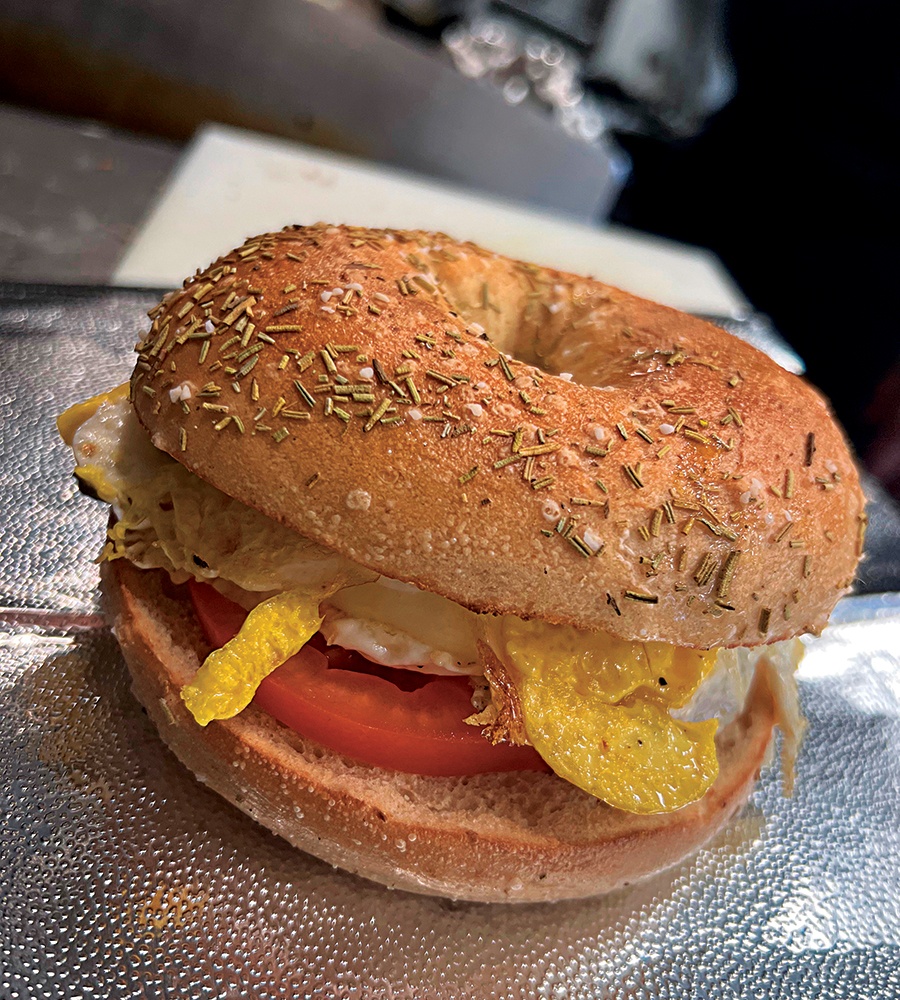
<point x="467" y="575"/>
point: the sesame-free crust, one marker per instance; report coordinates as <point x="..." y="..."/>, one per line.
<point x="347" y="383"/>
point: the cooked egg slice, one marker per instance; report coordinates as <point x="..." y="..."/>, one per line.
<point x="596" y="709"/>
<point x="168" y="518"/>
<point x="272" y="632"/>
<point x="401" y="626"/>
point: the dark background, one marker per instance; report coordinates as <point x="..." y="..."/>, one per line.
<point x="795" y="185"/>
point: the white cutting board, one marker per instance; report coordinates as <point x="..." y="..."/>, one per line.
<point x="231" y="184"/>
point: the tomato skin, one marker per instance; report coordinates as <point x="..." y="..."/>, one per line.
<point x="411" y="722"/>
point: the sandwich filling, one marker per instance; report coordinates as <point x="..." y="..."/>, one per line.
<point x="632" y="723"/>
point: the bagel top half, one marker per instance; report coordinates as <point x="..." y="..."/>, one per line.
<point x="511" y="437"/>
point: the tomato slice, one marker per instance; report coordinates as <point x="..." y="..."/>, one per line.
<point x="393" y="718"/>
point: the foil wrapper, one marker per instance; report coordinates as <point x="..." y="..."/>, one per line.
<point x="121" y="876"/>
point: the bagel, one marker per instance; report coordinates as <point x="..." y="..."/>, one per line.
<point x="756" y="493"/>
<point x="562" y="466"/>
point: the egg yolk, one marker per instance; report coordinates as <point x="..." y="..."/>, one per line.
<point x="596" y="709"/>
<point x="273" y="632"/>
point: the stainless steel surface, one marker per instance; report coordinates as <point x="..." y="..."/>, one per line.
<point x="297" y="66"/>
<point x="121" y="876"/>
<point x="72" y="195"/>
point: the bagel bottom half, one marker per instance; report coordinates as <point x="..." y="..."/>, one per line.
<point x="510" y="837"/>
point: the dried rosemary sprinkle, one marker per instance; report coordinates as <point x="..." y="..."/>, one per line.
<point x="182" y="439"/>
<point x="468" y="476"/>
<point x="503" y="462"/>
<point x="244" y="306"/>
<point x="633" y="474"/>
<point x="540" y="449"/>
<point x="306" y="395"/>
<point x="764" y="615"/>
<point x="727" y="574"/>
<point x="810" y="449"/>
<point x="579" y="545"/>
<point x="636" y="595"/>
<point x="621" y="429"/>
<point x="655" y="522"/>
<point x="379" y="412"/>
<point x="592" y="449"/>
<point x="861" y="533"/>
<point x="540" y="484"/>
<point x="584" y="502"/>
<point x="706" y="569"/>
<point x="783" y="532"/>
<point x="413" y="390"/>
<point x="248" y="352"/>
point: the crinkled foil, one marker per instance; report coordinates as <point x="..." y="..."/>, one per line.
<point x="121" y="876"/>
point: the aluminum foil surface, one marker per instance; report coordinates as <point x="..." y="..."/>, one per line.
<point x="120" y="876"/>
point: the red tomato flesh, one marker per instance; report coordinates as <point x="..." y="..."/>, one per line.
<point x="393" y="718"/>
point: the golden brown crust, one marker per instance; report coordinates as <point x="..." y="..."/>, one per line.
<point x="516" y="837"/>
<point x="721" y="490"/>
